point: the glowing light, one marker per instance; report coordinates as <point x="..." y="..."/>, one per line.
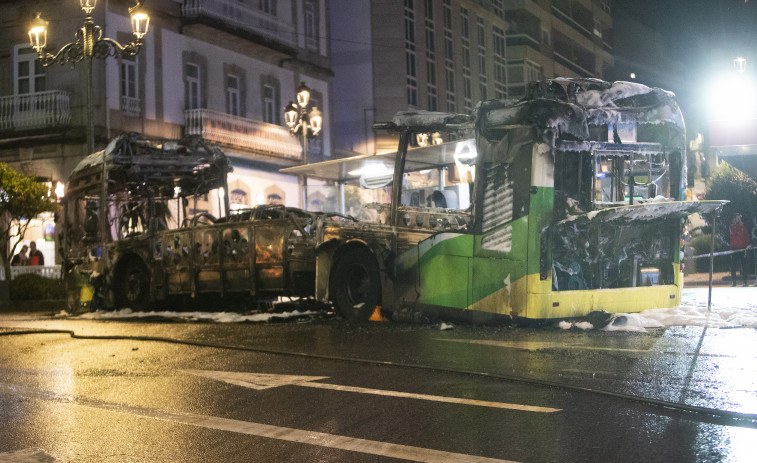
<point x="739" y="64"/>
<point x="372" y="171"/>
<point x="465" y="151"/>
<point x="733" y="97"/>
<point x="59" y="190"/>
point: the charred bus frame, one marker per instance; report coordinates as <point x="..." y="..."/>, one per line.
<point x="576" y="206"/>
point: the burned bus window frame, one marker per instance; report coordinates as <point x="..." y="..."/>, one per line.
<point x="613" y="164"/>
<point x="573" y="178"/>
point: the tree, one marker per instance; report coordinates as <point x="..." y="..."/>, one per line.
<point x="21" y="198"/>
<point x="729" y="183"/>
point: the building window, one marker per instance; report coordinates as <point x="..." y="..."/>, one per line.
<point x="464" y="26"/>
<point x="519" y="74"/>
<point x="499" y="8"/>
<point x="431" y="90"/>
<point x="267" y="6"/>
<point x="447" y="14"/>
<point x="30" y="76"/>
<point x="130" y="102"/>
<point x="500" y="70"/>
<point x="192" y="96"/>
<point x="269" y="104"/>
<point x="449" y="56"/>
<point x="311" y="26"/>
<point x="483" y="80"/>
<point x="546" y="37"/>
<point x="129" y="77"/>
<point x="412" y="82"/>
<point x="232" y="95"/>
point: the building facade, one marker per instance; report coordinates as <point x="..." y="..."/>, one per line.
<point x="446" y="55"/>
<point x="220" y="69"/>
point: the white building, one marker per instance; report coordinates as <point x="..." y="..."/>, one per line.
<point x="220" y="69"/>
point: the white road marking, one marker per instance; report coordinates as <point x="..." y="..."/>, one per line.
<point x="536" y="345"/>
<point x="335" y="441"/>
<point x="265" y="381"/>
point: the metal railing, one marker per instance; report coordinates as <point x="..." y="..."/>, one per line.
<point x="131" y="106"/>
<point x="240" y="132"/>
<point x="241" y="16"/>
<point x="47" y="271"/>
<point x="35" y="110"/>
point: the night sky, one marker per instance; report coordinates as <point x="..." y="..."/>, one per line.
<point x="700" y="30"/>
<point x="705" y="36"/>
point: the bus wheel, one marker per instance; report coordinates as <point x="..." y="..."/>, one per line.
<point x="133" y="290"/>
<point x="356" y="285"/>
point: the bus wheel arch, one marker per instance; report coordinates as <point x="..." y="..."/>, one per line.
<point x="131" y="285"/>
<point x="355" y="281"/>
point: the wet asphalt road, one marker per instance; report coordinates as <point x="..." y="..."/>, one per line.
<point x="379" y="392"/>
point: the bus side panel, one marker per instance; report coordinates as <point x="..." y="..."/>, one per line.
<point x="236" y="258"/>
<point x="269" y="255"/>
<point x="539" y="265"/>
<point x="567" y="304"/>
<point x="207" y="259"/>
<point x="444" y="264"/>
<point x="498" y="277"/>
<point x="498" y="286"/>
<point x="178" y="261"/>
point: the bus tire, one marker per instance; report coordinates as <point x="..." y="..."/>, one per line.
<point x="356" y="284"/>
<point x="133" y="286"/>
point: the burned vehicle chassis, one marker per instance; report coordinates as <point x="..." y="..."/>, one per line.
<point x="245" y="257"/>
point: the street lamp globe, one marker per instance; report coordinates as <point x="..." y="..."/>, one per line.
<point x="38" y="33"/>
<point x="140" y="21"/>
<point x="315" y="120"/>
<point x="290" y="115"/>
<point x="88" y="5"/>
<point x="303" y="95"/>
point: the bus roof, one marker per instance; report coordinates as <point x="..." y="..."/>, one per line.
<point x="151" y="167"/>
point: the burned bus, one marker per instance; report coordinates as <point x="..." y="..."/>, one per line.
<point x="568" y="201"/>
<point x="161" y="244"/>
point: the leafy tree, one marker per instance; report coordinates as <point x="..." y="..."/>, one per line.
<point x="729" y="183"/>
<point x="21" y="198"/>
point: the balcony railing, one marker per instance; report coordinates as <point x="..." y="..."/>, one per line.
<point x="131" y="106"/>
<point x="240" y="132"/>
<point x="48" y="271"/>
<point x="241" y="16"/>
<point x="35" y="110"/>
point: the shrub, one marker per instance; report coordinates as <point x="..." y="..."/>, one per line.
<point x="701" y="245"/>
<point x="729" y="183"/>
<point x="29" y="287"/>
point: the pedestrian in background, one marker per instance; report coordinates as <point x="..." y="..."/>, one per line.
<point x="21" y="258"/>
<point x="739" y="240"/>
<point x="35" y="255"/>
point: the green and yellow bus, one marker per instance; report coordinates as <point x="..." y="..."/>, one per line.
<point x="568" y="201"/>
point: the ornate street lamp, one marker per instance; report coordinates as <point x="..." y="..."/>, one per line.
<point x="89" y="44"/>
<point x="306" y="121"/>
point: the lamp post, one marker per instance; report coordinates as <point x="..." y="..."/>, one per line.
<point x="89" y="44"/>
<point x="306" y="121"/>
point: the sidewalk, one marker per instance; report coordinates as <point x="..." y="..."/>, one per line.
<point x="719" y="279"/>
